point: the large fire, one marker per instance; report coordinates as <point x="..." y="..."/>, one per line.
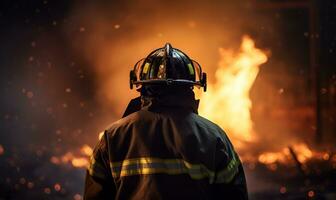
<point x="227" y="100"/>
<point x="229" y="105"/>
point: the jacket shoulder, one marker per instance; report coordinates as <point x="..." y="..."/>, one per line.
<point x="206" y="123"/>
<point x="128" y="120"/>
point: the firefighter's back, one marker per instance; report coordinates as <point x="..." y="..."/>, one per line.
<point x="163" y="155"/>
<point x="161" y="148"/>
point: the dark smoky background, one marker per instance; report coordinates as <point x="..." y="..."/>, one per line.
<point x="65" y="65"/>
<point x="64" y="76"/>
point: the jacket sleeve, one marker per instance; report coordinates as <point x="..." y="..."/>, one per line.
<point x="229" y="176"/>
<point x="99" y="182"/>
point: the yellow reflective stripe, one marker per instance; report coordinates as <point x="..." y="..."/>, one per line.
<point x="145" y="160"/>
<point x="147" y="165"/>
<point x="95" y="169"/>
<point x="191" y="69"/>
<point x="226" y="175"/>
<point x="145" y="69"/>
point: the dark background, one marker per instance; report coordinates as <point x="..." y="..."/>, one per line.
<point x="52" y="99"/>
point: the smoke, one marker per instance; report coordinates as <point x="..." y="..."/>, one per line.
<point x="66" y="67"/>
<point x="114" y="36"/>
<point x="82" y="85"/>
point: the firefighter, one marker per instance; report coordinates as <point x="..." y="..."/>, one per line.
<point x="161" y="148"/>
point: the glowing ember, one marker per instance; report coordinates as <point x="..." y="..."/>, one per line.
<point x="228" y="102"/>
<point x="283" y="190"/>
<point x="47" y="190"/>
<point x="30" y="185"/>
<point x="2" y="150"/>
<point x="311" y="193"/>
<point x="77" y="197"/>
<point x="57" y="187"/>
<point x="55" y="160"/>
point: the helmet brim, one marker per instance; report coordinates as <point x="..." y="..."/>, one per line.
<point x="168" y="82"/>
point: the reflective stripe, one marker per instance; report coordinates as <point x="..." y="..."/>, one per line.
<point x="191" y="69"/>
<point x="146" y="67"/>
<point x="148" y="165"/>
<point x="226" y="175"/>
<point x="95" y="169"/>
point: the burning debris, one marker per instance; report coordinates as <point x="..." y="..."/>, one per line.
<point x="298" y="153"/>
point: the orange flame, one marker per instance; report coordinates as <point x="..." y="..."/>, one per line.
<point x="80" y="162"/>
<point x="302" y="151"/>
<point x="227" y="101"/>
<point x="228" y="104"/>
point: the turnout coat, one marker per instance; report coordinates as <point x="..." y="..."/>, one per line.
<point x="165" y="150"/>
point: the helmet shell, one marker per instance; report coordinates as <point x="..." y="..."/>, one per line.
<point x="167" y="65"/>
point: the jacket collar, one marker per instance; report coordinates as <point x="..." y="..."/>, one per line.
<point x="169" y="102"/>
<point x="185" y="102"/>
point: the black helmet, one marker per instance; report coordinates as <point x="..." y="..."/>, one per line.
<point x="168" y="66"/>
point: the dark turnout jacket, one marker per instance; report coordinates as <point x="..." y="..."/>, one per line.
<point x="165" y="151"/>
